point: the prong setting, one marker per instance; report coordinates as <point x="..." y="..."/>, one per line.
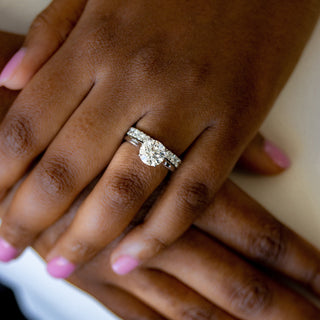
<point x="152" y="152"/>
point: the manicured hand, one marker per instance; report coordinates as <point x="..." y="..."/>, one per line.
<point x="210" y="273"/>
<point x="199" y="76"/>
<point x="218" y="283"/>
<point x="204" y="277"/>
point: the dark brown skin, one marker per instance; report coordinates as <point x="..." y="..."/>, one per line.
<point x="200" y="76"/>
<point x="199" y="277"/>
<point x="218" y="284"/>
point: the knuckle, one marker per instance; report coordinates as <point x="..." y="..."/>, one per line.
<point x="18" y="136"/>
<point x="269" y="247"/>
<point x="83" y="250"/>
<point x="124" y="190"/>
<point x="196" y="74"/>
<point x="253" y="297"/>
<point x="17" y="233"/>
<point x="156" y="244"/>
<point x="103" y="37"/>
<point x="149" y="60"/>
<point x="193" y="196"/>
<point x="45" y="23"/>
<point x="56" y="176"/>
<point x="40" y="22"/>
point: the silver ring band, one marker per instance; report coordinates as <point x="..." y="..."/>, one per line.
<point x="152" y="152"/>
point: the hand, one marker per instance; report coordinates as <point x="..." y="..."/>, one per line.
<point x="165" y="287"/>
<point x="224" y="280"/>
<point x="198" y="76"/>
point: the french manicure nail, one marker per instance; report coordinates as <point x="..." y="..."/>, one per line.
<point x="277" y="155"/>
<point x="12" y="66"/>
<point x="7" y="251"/>
<point x="60" y="267"/>
<point x="124" y="265"/>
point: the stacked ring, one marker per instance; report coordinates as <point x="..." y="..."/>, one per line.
<point x="152" y="152"/>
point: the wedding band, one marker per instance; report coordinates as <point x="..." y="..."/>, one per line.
<point x="152" y="152"/>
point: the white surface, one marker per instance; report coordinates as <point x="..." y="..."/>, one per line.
<point x="43" y="298"/>
<point x="293" y="197"/>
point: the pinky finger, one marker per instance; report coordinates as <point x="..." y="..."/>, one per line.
<point x="263" y="157"/>
<point x="47" y="32"/>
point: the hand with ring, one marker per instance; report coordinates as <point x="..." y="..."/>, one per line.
<point x="220" y="283"/>
<point x="231" y="275"/>
<point x="194" y="78"/>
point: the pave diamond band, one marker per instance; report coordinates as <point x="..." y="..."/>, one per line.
<point x="152" y="152"/>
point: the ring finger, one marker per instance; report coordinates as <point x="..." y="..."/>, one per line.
<point x="108" y="210"/>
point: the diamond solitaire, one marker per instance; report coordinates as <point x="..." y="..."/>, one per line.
<point x="152" y="152"/>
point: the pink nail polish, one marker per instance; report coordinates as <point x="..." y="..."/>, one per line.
<point x="124" y="265"/>
<point x="60" y="267"/>
<point x="11" y="66"/>
<point x="277" y="156"/>
<point x="7" y="251"/>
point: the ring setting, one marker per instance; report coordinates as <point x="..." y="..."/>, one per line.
<point x="152" y="152"/>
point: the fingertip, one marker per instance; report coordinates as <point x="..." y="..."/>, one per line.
<point x="276" y="155"/>
<point x="263" y="157"/>
<point x="9" y="77"/>
<point x="60" y="268"/>
<point x="124" y="264"/>
<point x="18" y="82"/>
<point x="7" y="251"/>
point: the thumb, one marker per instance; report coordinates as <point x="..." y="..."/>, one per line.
<point x="46" y="34"/>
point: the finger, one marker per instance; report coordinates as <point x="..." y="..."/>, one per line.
<point x="107" y="211"/>
<point x="117" y="198"/>
<point x="217" y="275"/>
<point x="163" y="293"/>
<point x="47" y="32"/>
<point x="190" y="191"/>
<point x="152" y="288"/>
<point x="60" y="175"/>
<point x="256" y="234"/>
<point x="230" y="282"/>
<point x="39" y="112"/>
<point x="11" y="43"/>
<point x="170" y="297"/>
<point x="263" y="157"/>
<point x="118" y="300"/>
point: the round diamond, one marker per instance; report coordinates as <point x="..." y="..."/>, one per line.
<point x="152" y="153"/>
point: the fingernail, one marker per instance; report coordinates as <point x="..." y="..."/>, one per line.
<point x="277" y="155"/>
<point x="7" y="251"/>
<point x="124" y="265"/>
<point x="12" y="66"/>
<point x="60" y="267"/>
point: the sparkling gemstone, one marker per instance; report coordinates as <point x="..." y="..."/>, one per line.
<point x="152" y="152"/>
